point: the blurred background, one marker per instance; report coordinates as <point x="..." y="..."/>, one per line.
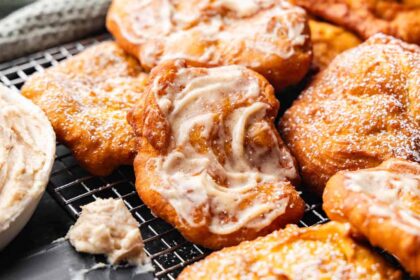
<point x="8" y="6"/>
<point x="27" y="26"/>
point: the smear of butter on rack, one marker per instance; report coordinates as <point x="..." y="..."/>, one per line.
<point x="80" y="274"/>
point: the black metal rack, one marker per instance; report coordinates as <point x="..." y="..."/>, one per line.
<point x="73" y="187"/>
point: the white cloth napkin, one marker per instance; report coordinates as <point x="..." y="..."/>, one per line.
<point x="47" y="23"/>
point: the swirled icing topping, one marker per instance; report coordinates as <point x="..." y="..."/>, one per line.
<point x="397" y="194"/>
<point x="27" y="149"/>
<point x="225" y="158"/>
<point x="243" y="8"/>
<point x="208" y="31"/>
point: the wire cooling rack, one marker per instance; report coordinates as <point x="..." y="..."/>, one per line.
<point x="74" y="187"/>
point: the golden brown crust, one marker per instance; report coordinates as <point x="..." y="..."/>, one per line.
<point x="368" y="17"/>
<point x="216" y="34"/>
<point x="318" y="252"/>
<point x="362" y="110"/>
<point x="86" y="98"/>
<point x="388" y="214"/>
<point x="328" y="41"/>
<point x="156" y="141"/>
<point x="411" y="3"/>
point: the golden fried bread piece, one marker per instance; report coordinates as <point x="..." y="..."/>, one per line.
<point x="362" y="109"/>
<point x="319" y="252"/>
<point x="368" y="17"/>
<point x="210" y="160"/>
<point x="86" y="98"/>
<point x="411" y="3"/>
<point x="383" y="204"/>
<point x="328" y="41"/>
<point x="270" y="36"/>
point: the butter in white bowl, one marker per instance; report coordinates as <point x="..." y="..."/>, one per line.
<point x="27" y="151"/>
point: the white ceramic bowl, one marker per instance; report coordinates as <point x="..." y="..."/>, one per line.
<point x="15" y="226"/>
<point x="27" y="150"/>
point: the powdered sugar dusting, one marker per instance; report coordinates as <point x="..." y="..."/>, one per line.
<point x="363" y="109"/>
<point x="86" y="98"/>
<point x="319" y="252"/>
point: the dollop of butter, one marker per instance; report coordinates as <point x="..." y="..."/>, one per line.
<point x="105" y="226"/>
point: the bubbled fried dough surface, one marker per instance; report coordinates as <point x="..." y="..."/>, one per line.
<point x="210" y="160"/>
<point x="318" y="252"/>
<point x="383" y="204"/>
<point x="86" y="98"/>
<point x="328" y="41"/>
<point x="269" y="36"/>
<point x="400" y="19"/>
<point x="363" y="109"/>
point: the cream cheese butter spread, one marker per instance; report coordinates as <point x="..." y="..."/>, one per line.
<point x="27" y="150"/>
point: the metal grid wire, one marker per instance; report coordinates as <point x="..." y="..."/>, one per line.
<point x="73" y="187"/>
